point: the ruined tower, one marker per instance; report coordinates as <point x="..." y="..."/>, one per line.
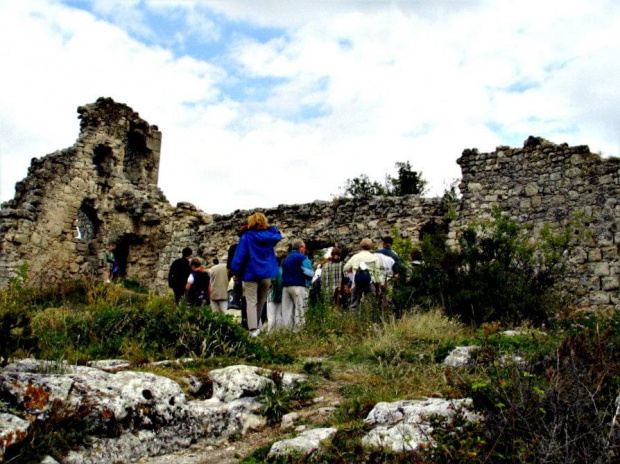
<point x="73" y="202"/>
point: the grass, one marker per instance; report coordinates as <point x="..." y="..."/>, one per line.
<point x="368" y="357"/>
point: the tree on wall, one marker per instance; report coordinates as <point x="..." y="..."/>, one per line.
<point x="408" y="182"/>
<point x="362" y="186"/>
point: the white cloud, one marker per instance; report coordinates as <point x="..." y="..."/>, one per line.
<point x="383" y="82"/>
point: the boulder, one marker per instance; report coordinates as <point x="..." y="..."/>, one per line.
<point x="403" y="426"/>
<point x="303" y="444"/>
<point x="124" y="415"/>
<point x="461" y="356"/>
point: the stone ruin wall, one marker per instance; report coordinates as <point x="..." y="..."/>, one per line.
<point x="547" y="183"/>
<point x="322" y="224"/>
<point x="108" y="180"/>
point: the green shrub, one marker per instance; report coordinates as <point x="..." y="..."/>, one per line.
<point x="278" y="400"/>
<point x="115" y="322"/>
<point x="498" y="273"/>
<point x="558" y="407"/>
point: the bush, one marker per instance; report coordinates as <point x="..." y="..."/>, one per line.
<point x="557" y="408"/>
<point x="117" y="323"/>
<point x="498" y="273"/>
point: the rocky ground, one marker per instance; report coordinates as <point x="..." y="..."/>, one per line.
<point x="328" y="396"/>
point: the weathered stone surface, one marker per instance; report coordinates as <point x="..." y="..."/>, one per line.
<point x="548" y="183"/>
<point x="303" y="444"/>
<point x="151" y="411"/>
<point x="288" y="421"/>
<point x="13" y="429"/>
<point x="234" y="382"/>
<point x="403" y="425"/>
<point x="107" y="181"/>
<point x="461" y="356"/>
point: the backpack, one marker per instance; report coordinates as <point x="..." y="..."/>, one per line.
<point x="362" y="278"/>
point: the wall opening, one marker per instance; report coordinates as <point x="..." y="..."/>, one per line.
<point x="123" y="250"/>
<point x="88" y="223"/>
<point x="138" y="162"/>
<point x="103" y="161"/>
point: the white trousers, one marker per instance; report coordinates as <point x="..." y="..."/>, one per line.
<point x="294" y="307"/>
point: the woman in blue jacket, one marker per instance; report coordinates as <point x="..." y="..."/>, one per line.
<point x="255" y="260"/>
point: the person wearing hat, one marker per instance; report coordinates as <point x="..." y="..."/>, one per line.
<point x="219" y="286"/>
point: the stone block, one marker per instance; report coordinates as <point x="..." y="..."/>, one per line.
<point x="531" y="189"/>
<point x="595" y="255"/>
<point x="600" y="269"/>
<point x="610" y="283"/>
<point x="599" y="298"/>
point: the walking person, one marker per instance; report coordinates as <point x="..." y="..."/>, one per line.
<point x="178" y="274"/>
<point x="255" y="261"/>
<point x="297" y="272"/>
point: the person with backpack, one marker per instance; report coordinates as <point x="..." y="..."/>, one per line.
<point x="197" y="286"/>
<point x="365" y="265"/>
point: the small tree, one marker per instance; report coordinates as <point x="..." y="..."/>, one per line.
<point x="408" y="182"/>
<point x="362" y="187"/>
<point x="498" y="272"/>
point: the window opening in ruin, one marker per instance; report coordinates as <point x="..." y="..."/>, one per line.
<point x="103" y="161"/>
<point x="138" y="160"/>
<point x="88" y="223"/>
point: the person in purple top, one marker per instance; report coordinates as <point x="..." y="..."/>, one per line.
<point x="255" y="261"/>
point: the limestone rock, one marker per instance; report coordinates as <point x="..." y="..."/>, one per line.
<point x="403" y="425"/>
<point x="302" y="445"/>
<point x="288" y="421"/>
<point x="461" y="356"/>
<point x="151" y="411"/>
<point x="13" y="429"/>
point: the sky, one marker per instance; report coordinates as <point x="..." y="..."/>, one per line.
<point x="268" y="102"/>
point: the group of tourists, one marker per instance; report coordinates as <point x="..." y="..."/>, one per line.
<point x="277" y="288"/>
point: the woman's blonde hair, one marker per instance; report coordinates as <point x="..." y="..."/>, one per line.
<point x="258" y="221"/>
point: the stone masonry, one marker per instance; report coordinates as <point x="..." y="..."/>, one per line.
<point x="108" y="181"/>
<point x="547" y="183"/>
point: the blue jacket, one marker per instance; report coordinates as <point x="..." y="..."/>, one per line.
<point x="254" y="257"/>
<point x="296" y="270"/>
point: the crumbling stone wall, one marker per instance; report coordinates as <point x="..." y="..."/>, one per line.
<point x="321" y="224"/>
<point x="108" y="181"/>
<point x="547" y="183"/>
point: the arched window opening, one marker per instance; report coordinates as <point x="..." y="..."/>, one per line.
<point x="88" y="223"/>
